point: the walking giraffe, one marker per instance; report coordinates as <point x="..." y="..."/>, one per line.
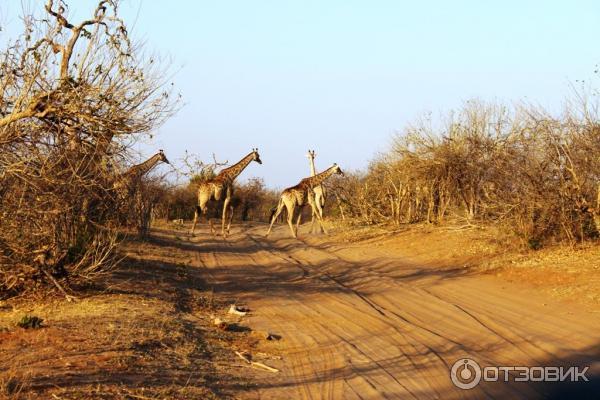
<point x="127" y="182"/>
<point x="319" y="191"/>
<point x="297" y="196"/>
<point x="213" y="189"/>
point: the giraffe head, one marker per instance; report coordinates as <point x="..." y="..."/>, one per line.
<point x="337" y="169"/>
<point x="311" y="154"/>
<point x="163" y="158"/>
<point x="256" y="156"/>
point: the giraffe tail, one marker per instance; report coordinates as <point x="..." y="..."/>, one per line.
<point x="274" y="209"/>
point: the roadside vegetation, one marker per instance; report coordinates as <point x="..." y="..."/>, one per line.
<point x="75" y="96"/>
<point x="519" y="168"/>
<point x="531" y="176"/>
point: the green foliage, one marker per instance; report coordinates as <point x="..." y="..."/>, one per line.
<point x="204" y="175"/>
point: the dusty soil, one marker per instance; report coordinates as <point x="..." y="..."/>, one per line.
<point x="384" y="317"/>
<point x="145" y="333"/>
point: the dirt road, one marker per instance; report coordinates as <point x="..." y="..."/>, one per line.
<point x="359" y="321"/>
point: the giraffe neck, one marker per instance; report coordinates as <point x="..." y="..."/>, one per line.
<point x="141" y="169"/>
<point x="312" y="166"/>
<point x="232" y="172"/>
<point x="319" y="178"/>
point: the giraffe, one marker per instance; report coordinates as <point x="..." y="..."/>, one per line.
<point x="319" y="192"/>
<point x="295" y="197"/>
<point x="126" y="182"/>
<point x="213" y="189"/>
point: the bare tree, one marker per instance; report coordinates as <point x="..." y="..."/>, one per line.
<point x="73" y="97"/>
<point x="534" y="173"/>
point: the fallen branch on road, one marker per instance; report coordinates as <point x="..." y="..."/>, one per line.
<point x="260" y="365"/>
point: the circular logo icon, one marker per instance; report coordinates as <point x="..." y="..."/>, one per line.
<point x="465" y="373"/>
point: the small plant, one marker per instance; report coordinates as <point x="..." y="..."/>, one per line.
<point x="207" y="301"/>
<point x="534" y="244"/>
<point x="30" y="322"/>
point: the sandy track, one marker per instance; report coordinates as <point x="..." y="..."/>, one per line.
<point x="359" y="322"/>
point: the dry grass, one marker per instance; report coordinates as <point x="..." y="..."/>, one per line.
<point x="569" y="273"/>
<point x="146" y="334"/>
<point x="521" y="167"/>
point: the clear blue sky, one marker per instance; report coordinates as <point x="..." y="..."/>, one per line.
<point x="341" y="76"/>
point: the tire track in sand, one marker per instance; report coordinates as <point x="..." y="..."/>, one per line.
<point x="350" y="330"/>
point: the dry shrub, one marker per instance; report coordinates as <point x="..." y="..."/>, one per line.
<point x="520" y="167"/>
<point x="252" y="201"/>
<point x="179" y="201"/>
<point x="74" y="97"/>
<point x="151" y="194"/>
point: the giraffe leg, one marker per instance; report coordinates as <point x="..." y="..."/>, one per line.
<point x="196" y="215"/>
<point x="204" y="195"/>
<point x="315" y="211"/>
<point x="212" y="227"/>
<point x="313" y="214"/>
<point x="290" y="219"/>
<point x="275" y="216"/>
<point x="312" y="221"/>
<point x="320" y="219"/>
<point x="210" y="222"/>
<point x="299" y="219"/>
<point x="319" y="212"/>
<point x="224" y="216"/>
<point x="230" y="218"/>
